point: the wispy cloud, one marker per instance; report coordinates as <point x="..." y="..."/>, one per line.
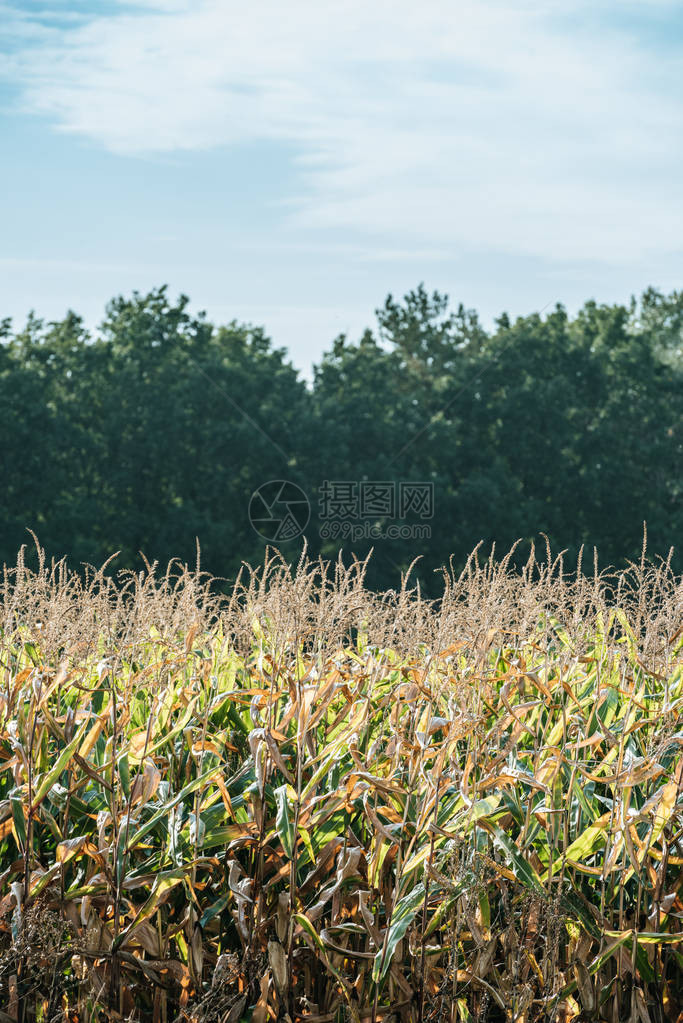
<point x="494" y="125"/>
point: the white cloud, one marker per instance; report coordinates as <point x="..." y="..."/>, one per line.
<point x="454" y="123"/>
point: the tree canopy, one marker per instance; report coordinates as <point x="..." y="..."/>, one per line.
<point x="157" y="429"/>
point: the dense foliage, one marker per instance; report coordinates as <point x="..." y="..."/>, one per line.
<point x="159" y="428"/>
<point x="311" y="802"/>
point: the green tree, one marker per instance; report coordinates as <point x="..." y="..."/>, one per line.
<point x="196" y="419"/>
<point x="159" y="427"/>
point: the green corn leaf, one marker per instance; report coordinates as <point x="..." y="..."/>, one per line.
<point x="189" y="789"/>
<point x="401" y="919"/>
<point x="163" y="884"/>
<point x="520" y="867"/>
<point x="214" y="910"/>
<point x="283" y="823"/>
<point x="48" y="780"/>
<point x="124" y="774"/>
<point x="646" y="937"/>
<point x="592" y="839"/>
<point x="17" y="803"/>
<point x="318" y="945"/>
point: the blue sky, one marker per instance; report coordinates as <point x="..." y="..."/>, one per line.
<point x="290" y="164"/>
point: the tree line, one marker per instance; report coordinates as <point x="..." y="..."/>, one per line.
<point x="159" y="427"/>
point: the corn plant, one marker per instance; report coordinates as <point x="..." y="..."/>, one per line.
<point x="308" y="801"/>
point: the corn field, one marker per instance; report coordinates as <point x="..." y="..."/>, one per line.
<point x="305" y="801"/>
